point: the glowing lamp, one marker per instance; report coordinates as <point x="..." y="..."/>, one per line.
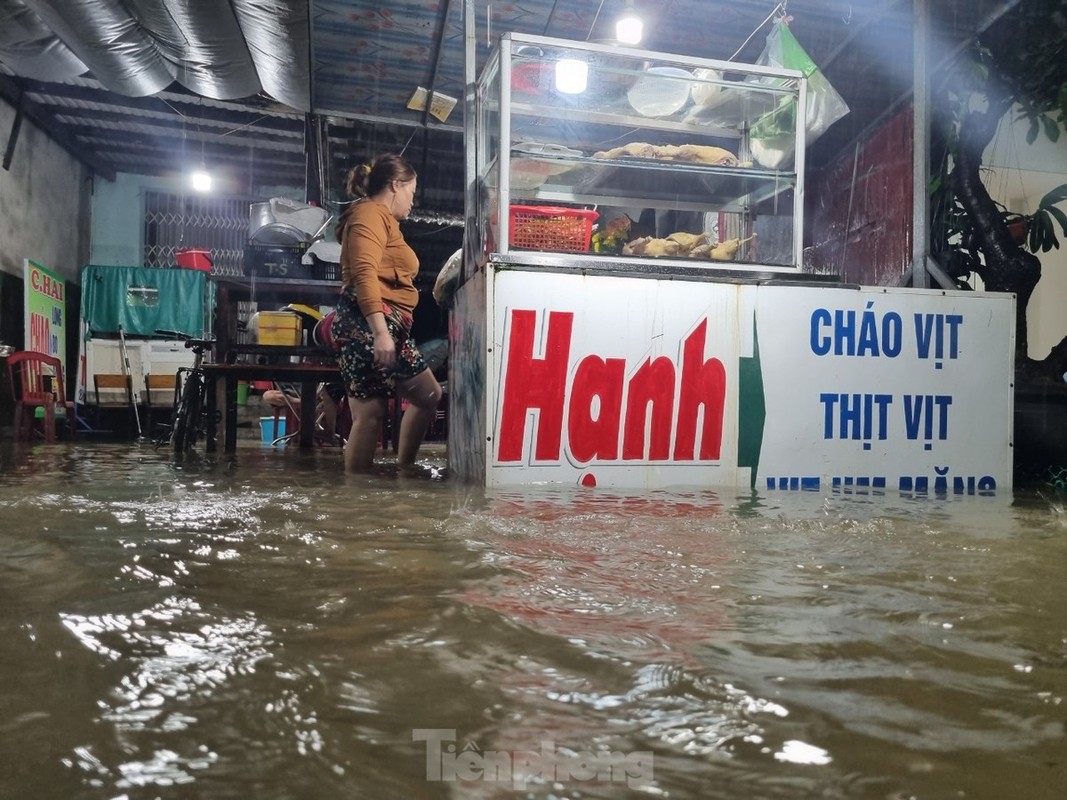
<point x="572" y="75"/>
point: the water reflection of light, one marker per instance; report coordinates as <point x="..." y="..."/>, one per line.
<point x="801" y="753"/>
<point x="164" y="768"/>
<point x="170" y="664"/>
<point x="142" y="573"/>
<point x="176" y="652"/>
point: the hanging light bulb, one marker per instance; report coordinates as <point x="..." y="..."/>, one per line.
<point x="629" y="28"/>
<point x="201" y="180"/>
<point x="572" y="75"/>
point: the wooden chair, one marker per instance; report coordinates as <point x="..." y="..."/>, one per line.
<point x="117" y="389"/>
<point x="161" y="391"/>
<point x="160" y="398"/>
<point x="114" y="390"/>
<point x="38" y="382"/>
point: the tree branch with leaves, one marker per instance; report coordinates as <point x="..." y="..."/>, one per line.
<point x="1019" y="66"/>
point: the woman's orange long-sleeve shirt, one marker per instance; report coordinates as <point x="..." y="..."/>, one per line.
<point x="376" y="260"/>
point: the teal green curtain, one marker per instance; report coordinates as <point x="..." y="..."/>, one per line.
<point x="143" y="300"/>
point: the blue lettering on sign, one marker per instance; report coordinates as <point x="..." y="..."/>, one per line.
<point x="914" y="484"/>
<point x="961" y="484"/>
<point x="804" y="483"/>
<point x="931" y="331"/>
<point x="57" y="316"/>
<point x="858" y="484"/>
<point x="842" y="334"/>
<point x="820" y="342"/>
<point x="928" y="412"/>
<point x="855" y="416"/>
<point x="847" y="332"/>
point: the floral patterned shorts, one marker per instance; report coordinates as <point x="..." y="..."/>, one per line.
<point x="363" y="379"/>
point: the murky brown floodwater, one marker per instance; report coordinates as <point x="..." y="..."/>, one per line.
<point x="266" y="627"/>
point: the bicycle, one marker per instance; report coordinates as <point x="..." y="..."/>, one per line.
<point x="190" y="390"/>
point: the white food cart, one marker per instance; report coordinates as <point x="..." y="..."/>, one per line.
<point x="633" y="311"/>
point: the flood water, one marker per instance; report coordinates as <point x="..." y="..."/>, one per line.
<point x="266" y="627"/>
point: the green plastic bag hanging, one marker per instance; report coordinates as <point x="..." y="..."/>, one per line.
<point x="772" y="133"/>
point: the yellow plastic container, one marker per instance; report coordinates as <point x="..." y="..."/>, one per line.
<point x="279" y="327"/>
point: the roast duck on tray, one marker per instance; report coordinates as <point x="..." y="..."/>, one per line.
<point x="712" y="173"/>
<point x="688" y="153"/>
<point x="685" y="245"/>
<point x="615" y="238"/>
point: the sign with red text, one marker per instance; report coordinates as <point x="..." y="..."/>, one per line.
<point x="648" y="382"/>
<point x="46" y="311"/>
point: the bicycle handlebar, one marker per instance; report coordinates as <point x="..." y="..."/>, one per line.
<point x="191" y="342"/>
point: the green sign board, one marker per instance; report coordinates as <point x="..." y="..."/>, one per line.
<point x="46" y="311"/>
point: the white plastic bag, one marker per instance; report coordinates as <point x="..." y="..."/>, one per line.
<point x="824" y="105"/>
<point x="444" y="288"/>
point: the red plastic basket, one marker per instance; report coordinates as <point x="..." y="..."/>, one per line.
<point x="551" y="228"/>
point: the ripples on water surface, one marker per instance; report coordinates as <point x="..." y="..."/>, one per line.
<point x="270" y="628"/>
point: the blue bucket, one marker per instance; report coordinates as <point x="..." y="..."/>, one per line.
<point x="266" y="426"/>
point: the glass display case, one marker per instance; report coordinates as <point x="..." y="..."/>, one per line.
<point x="623" y="155"/>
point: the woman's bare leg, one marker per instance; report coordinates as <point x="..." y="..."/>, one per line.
<point x="423" y="393"/>
<point x="366" y="431"/>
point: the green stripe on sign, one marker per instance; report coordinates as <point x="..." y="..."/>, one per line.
<point x="752" y="408"/>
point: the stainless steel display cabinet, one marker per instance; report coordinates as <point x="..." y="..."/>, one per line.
<point x="618" y="156"/>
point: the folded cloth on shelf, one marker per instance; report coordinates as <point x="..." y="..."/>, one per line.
<point x="324" y="251"/>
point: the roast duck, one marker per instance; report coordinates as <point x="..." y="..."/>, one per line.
<point x="690" y="153"/>
<point x="680" y="244"/>
<point x="685" y="245"/>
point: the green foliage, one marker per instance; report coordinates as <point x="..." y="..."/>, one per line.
<point x="1026" y="50"/>
<point x="952" y="225"/>
<point x="1021" y="58"/>
<point x="1051" y="128"/>
<point x="1042" y="236"/>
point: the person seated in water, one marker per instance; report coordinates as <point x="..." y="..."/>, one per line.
<point x="330" y="398"/>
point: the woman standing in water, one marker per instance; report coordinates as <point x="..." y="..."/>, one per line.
<point x="373" y="323"/>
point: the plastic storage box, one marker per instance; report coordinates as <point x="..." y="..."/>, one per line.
<point x="194" y="258"/>
<point x="276" y="261"/>
<point x="279" y="327"/>
<point x="286" y="261"/>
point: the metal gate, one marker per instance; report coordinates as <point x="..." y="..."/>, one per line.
<point x="218" y="224"/>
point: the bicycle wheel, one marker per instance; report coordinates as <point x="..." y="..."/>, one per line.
<point x="187" y="415"/>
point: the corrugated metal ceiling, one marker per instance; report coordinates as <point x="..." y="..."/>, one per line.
<point x="229" y="81"/>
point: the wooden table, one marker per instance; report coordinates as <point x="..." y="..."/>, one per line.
<point x="309" y="374"/>
<point x="269" y="294"/>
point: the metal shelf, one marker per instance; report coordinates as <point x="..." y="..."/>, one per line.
<point x="691" y="187"/>
<point x="535" y="145"/>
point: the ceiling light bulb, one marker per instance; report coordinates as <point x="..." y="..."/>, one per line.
<point x="629" y="28"/>
<point x="201" y="181"/>
<point x="572" y="75"/>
